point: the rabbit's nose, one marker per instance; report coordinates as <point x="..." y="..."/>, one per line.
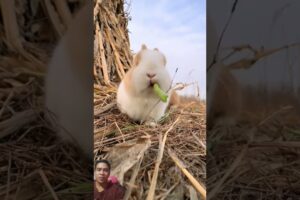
<point x="150" y="75"/>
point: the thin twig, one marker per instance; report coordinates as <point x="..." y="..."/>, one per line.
<point x="151" y="192"/>
<point x="181" y="166"/>
<point x="46" y="182"/>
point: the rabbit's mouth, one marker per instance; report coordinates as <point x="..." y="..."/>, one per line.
<point x="151" y="83"/>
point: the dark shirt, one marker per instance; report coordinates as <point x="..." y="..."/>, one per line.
<point x="111" y="192"/>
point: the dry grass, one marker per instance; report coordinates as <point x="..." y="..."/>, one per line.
<point x="34" y="164"/>
<point x="187" y="139"/>
<point x="259" y="157"/>
<point x="261" y="103"/>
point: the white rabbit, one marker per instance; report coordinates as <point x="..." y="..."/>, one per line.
<point x="69" y="83"/>
<point x="135" y="96"/>
<point x="224" y="92"/>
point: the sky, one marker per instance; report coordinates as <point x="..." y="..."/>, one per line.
<point x="178" y="29"/>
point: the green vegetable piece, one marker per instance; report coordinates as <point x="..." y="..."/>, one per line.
<point x="160" y="93"/>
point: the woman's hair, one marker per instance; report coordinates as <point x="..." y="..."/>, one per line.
<point x="102" y="161"/>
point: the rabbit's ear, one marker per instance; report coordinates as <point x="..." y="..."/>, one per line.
<point x="137" y="59"/>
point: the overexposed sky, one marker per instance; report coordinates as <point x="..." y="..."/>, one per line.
<point x="178" y="29"/>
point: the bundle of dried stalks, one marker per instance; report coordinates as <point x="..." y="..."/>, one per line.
<point x="111" y="47"/>
<point x="34" y="164"/>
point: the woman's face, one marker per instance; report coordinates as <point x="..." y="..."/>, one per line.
<point x="102" y="173"/>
